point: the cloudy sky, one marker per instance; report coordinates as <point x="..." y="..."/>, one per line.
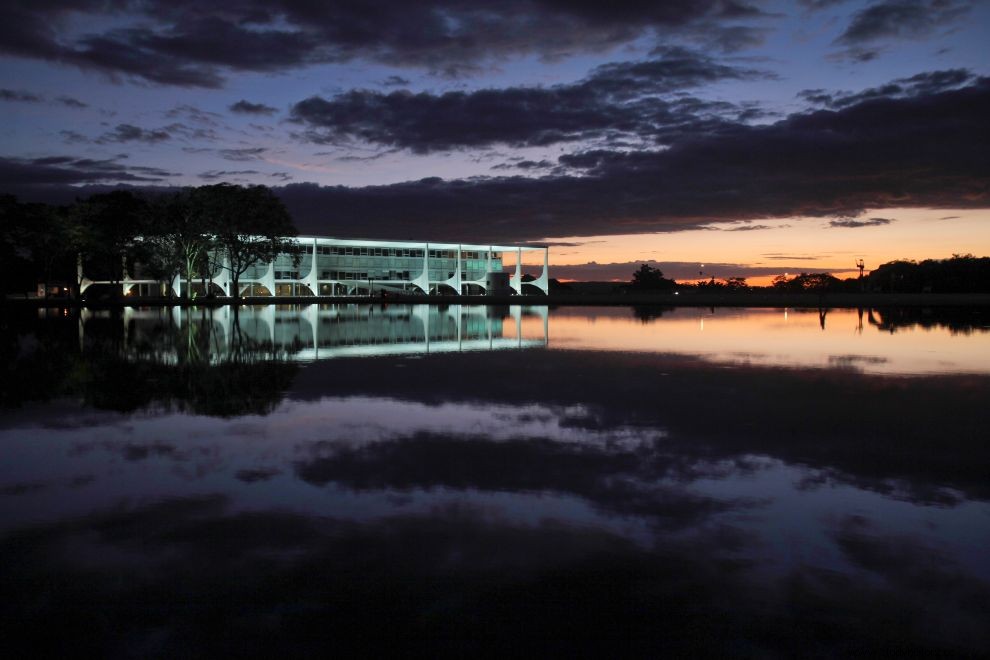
<point x="754" y="137"/>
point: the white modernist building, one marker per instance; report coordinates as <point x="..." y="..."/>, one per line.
<point x="333" y="266"/>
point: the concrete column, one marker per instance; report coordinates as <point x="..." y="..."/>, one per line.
<point x="312" y="281"/>
<point x="516" y="280"/>
<point x="423" y="281"/>
<point x="457" y="272"/>
<point x="543" y="281"/>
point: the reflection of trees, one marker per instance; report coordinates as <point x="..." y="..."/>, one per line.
<point x="647" y="313"/>
<point x="120" y="366"/>
<point x="958" y="320"/>
<point x="36" y="358"/>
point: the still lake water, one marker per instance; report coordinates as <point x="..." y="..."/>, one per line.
<point x="746" y="482"/>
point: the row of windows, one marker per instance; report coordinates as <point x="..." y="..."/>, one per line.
<point x="395" y="252"/>
<point x="466" y="254"/>
<point x="346" y="275"/>
<point x="380" y="275"/>
<point x="368" y="252"/>
<point x="383" y="275"/>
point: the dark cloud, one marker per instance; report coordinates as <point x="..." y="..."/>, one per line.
<point x="731" y="38"/>
<point x="395" y="81"/>
<point x="73" y="137"/>
<point x="70" y="102"/>
<point x="250" y="476"/>
<point x="194" y="114"/>
<point x="526" y="165"/>
<point x="902" y="18"/>
<point x="194" y="44"/>
<point x="19" y="96"/>
<point x="929" y="82"/>
<point x="242" y="155"/>
<point x="928" y="150"/>
<point x="816" y="5"/>
<point x="247" y="108"/>
<point x="218" y="175"/>
<point x="27" y="174"/>
<point x="748" y="228"/>
<point x="615" y="99"/>
<point x="857" y="54"/>
<point x="923" y="150"/>
<point x="29" y="97"/>
<point x="853" y="222"/>
<point x="131" y="133"/>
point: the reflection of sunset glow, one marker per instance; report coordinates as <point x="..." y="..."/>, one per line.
<point x="775" y="337"/>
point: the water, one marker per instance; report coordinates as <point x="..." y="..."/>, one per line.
<point x="749" y="482"/>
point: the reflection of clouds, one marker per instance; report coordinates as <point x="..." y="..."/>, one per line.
<point x="915" y="491"/>
<point x="229" y="581"/>
<point x="250" y="476"/>
<point x="364" y="419"/>
<point x="20" y="488"/>
<point x="275" y="577"/>
<point x="924" y="434"/>
<point x="937" y="597"/>
<point x="624" y="480"/>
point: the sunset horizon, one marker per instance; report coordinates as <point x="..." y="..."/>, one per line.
<point x="761" y="139"/>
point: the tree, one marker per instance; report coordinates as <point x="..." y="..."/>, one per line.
<point x="13" y="228"/>
<point x="54" y="239"/>
<point x="649" y="278"/>
<point x="113" y="222"/>
<point x="250" y="225"/>
<point x="736" y="284"/>
<point x="180" y="235"/>
<point x="807" y="283"/>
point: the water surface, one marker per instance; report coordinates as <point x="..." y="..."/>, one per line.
<point x="744" y="482"/>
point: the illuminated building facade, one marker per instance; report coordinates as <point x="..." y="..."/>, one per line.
<point x="341" y="267"/>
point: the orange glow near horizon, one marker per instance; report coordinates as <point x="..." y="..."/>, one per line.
<point x="781" y="337"/>
<point x="792" y="245"/>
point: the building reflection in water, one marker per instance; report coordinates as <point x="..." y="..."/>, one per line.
<point x="319" y="332"/>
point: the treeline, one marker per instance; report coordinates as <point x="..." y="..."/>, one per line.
<point x="957" y="274"/>
<point x="194" y="232"/>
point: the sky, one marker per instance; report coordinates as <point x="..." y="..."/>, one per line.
<point x="712" y="138"/>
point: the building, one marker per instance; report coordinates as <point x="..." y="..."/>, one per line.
<point x="341" y="267"/>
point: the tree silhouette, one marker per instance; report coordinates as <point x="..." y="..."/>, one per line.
<point x="180" y="235"/>
<point x="648" y="278"/>
<point x="249" y="225"/>
<point x="113" y="221"/>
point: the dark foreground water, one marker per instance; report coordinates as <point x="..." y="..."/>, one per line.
<point x="761" y="482"/>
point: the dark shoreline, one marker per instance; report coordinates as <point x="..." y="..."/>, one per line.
<point x="848" y="300"/>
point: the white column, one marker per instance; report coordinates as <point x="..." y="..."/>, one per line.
<point x="268" y="279"/>
<point x="423" y="281"/>
<point x="313" y="279"/>
<point x="516" y="280"/>
<point x="457" y="272"/>
<point x="543" y="281"/>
